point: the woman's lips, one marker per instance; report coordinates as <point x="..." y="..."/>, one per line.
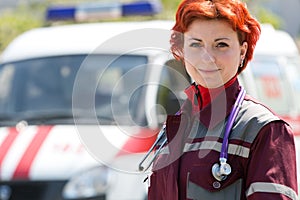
<point x="208" y="70"/>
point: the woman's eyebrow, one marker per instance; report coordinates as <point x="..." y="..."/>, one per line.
<point x="199" y="40"/>
<point x="216" y="40"/>
<point x="224" y="38"/>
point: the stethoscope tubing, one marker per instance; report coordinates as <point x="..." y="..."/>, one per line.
<point x="161" y="135"/>
<point x="231" y="119"/>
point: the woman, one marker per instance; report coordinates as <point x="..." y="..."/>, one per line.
<point x="215" y="40"/>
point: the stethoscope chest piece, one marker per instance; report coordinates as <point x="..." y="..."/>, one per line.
<point x="221" y="171"/>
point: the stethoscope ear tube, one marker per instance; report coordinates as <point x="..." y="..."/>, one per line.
<point x="221" y="170"/>
<point x="161" y="135"/>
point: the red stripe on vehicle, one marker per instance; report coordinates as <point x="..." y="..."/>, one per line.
<point x="140" y="143"/>
<point x="10" y="138"/>
<point x="23" y="168"/>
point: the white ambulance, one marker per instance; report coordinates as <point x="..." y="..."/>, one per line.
<point x="79" y="107"/>
<point x="276" y="70"/>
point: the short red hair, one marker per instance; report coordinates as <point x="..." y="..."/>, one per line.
<point x="233" y="11"/>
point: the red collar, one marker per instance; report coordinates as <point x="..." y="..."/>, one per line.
<point x="213" y="105"/>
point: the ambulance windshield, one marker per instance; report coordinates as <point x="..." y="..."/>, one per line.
<point x="44" y="88"/>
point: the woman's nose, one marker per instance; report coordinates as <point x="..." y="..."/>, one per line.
<point x="207" y="56"/>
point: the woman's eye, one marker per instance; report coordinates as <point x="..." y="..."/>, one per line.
<point x="195" y="45"/>
<point x="222" y="44"/>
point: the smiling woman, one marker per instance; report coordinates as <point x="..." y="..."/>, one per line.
<point x="219" y="144"/>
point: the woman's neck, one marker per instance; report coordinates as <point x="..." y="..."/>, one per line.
<point x="206" y="95"/>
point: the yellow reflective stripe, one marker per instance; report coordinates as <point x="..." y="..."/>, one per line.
<point x="271" y="188"/>
<point x="217" y="146"/>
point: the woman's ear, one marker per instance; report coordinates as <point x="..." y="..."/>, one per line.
<point x="244" y="48"/>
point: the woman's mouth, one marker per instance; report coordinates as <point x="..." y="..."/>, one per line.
<point x="208" y="70"/>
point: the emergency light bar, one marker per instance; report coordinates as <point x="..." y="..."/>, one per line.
<point x="93" y="11"/>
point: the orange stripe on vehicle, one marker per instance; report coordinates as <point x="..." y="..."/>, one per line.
<point x="12" y="135"/>
<point x="23" y="168"/>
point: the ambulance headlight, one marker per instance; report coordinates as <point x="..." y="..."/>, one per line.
<point x="92" y="183"/>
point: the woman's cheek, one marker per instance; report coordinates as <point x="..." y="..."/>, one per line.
<point x="191" y="60"/>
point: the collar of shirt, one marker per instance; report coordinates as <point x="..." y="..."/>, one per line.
<point x="213" y="105"/>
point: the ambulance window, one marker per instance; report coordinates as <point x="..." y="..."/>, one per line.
<point x="271" y="83"/>
<point x="6" y="76"/>
<point x="41" y="86"/>
<point x="293" y="73"/>
<point x="115" y="83"/>
<point x="173" y="81"/>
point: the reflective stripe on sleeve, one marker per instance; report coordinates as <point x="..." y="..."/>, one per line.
<point x="214" y="145"/>
<point x="271" y="188"/>
<point x="164" y="150"/>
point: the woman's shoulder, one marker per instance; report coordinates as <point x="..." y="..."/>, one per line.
<point x="252" y="117"/>
<point x="254" y="109"/>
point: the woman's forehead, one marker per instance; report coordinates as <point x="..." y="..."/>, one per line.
<point x="201" y="29"/>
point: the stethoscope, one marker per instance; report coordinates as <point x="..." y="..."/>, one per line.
<point x="221" y="170"/>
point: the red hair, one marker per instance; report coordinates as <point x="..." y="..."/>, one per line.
<point x="233" y="11"/>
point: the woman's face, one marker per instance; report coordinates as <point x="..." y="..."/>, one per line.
<point x="212" y="52"/>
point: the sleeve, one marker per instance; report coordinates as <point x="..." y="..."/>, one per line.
<point x="271" y="171"/>
<point x="164" y="178"/>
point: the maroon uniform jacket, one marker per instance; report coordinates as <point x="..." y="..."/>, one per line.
<point x="261" y="152"/>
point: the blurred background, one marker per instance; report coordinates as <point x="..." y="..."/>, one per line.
<point x="17" y="16"/>
<point x="37" y="79"/>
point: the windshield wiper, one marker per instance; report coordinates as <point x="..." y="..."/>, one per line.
<point x="44" y="116"/>
<point x="5" y="117"/>
<point x="7" y="120"/>
<point x="57" y="117"/>
<point x="92" y="115"/>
